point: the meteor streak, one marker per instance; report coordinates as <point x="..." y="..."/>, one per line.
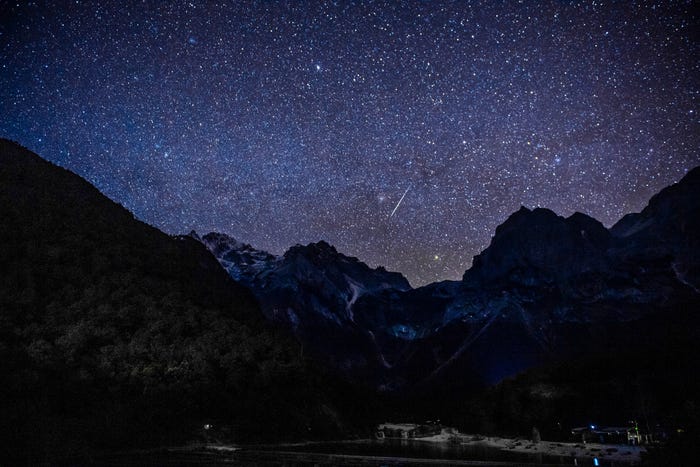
<point x="399" y="203"/>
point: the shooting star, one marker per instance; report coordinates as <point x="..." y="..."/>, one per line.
<point x="399" y="203"/>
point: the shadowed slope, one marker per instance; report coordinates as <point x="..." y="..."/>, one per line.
<point x="113" y="334"/>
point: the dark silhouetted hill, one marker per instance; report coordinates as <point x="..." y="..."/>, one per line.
<point x="115" y="335"/>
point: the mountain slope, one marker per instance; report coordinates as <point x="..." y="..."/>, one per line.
<point x="113" y="334"/>
<point x="669" y="226"/>
<point x="550" y="288"/>
<point x="313" y="290"/>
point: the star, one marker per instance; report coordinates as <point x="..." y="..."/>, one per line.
<point x="303" y="122"/>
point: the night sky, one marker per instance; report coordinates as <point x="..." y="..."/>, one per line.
<point x="291" y="122"/>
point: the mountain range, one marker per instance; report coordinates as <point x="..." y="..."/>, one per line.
<point x="547" y="289"/>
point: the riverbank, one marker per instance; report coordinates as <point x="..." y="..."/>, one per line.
<point x="608" y="452"/>
<point x="449" y="447"/>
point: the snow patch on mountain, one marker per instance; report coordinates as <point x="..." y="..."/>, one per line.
<point x="357" y="290"/>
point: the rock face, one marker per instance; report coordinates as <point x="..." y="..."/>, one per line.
<point x="668" y="229"/>
<point x="546" y="288"/>
<point x="313" y="290"/>
<point x="539" y="247"/>
<point x="550" y="288"/>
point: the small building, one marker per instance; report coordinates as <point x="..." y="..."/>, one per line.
<point x="609" y="434"/>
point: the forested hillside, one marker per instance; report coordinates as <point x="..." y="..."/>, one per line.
<point x="113" y="334"/>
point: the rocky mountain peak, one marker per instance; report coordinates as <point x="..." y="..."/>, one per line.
<point x="320" y="251"/>
<point x="538" y="244"/>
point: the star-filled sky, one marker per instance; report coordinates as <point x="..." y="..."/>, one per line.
<point x="291" y="122"/>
